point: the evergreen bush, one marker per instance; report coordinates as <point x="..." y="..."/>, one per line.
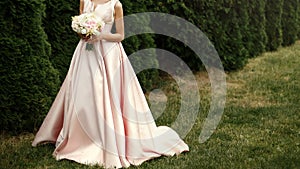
<point x="273" y="12"/>
<point x="298" y="20"/>
<point x="62" y="38"/>
<point x="225" y="23"/>
<point x="289" y="22"/>
<point x="28" y="80"/>
<point x="257" y="38"/>
<point x="177" y="46"/>
<point x="148" y="78"/>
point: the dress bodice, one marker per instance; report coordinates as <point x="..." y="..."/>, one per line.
<point x="104" y="11"/>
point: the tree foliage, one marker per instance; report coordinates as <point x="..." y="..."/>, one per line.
<point x="273" y="12"/>
<point x="290" y="24"/>
<point x="28" y="80"/>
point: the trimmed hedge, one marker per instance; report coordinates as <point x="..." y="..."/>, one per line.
<point x="28" y="80"/>
<point x="225" y="24"/>
<point x="298" y="20"/>
<point x="230" y="45"/>
<point x="180" y="9"/>
<point x="148" y="78"/>
<point x="256" y="39"/>
<point x="57" y="24"/>
<point x="290" y="24"/>
<point x="273" y="12"/>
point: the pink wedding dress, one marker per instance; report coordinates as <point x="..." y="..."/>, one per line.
<point x="100" y="115"/>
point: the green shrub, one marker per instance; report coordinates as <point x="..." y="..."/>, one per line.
<point x="256" y="38"/>
<point x="148" y="78"/>
<point x="57" y="24"/>
<point x="273" y="26"/>
<point x="298" y="21"/>
<point x="22" y="19"/>
<point x="28" y="80"/>
<point x="289" y="22"/>
<point x="225" y="23"/>
<point x="177" y="46"/>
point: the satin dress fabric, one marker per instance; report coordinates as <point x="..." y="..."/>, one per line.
<point x="100" y="114"/>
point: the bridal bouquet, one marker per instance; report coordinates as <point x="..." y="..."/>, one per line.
<point x="88" y="25"/>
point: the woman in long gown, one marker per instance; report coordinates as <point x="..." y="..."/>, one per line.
<point x="100" y="115"/>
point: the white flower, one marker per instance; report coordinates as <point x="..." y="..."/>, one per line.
<point x="83" y="31"/>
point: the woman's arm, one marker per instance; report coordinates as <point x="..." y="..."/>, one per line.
<point x="119" y="23"/>
<point x="81" y="6"/>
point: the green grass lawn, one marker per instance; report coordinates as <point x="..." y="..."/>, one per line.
<point x="260" y="127"/>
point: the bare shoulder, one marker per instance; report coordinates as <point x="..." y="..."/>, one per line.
<point x="118" y="5"/>
<point x="118" y="10"/>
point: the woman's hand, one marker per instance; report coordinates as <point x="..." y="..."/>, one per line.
<point x="91" y="39"/>
<point x="83" y="36"/>
<point x="95" y="38"/>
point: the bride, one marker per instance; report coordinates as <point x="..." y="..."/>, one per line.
<point x="100" y="115"/>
